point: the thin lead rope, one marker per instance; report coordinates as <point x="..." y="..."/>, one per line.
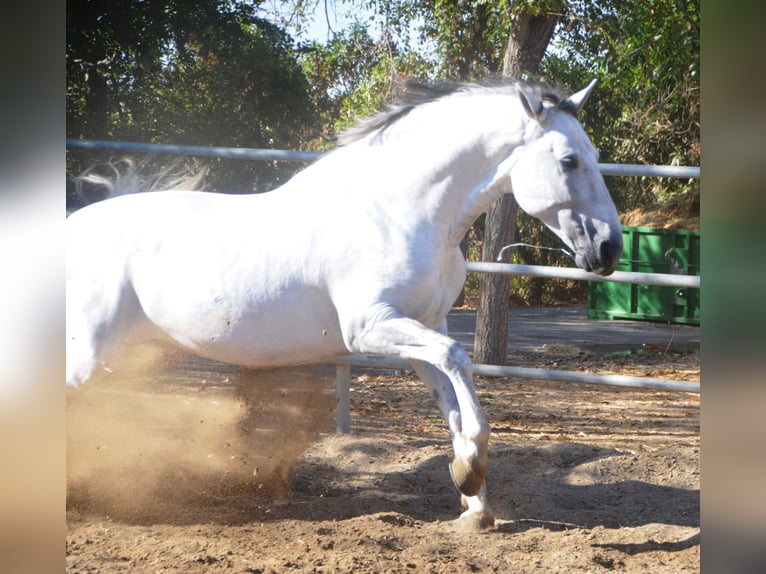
<point x="514" y="245"/>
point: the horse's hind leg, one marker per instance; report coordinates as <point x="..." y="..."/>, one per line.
<point x="85" y="348"/>
<point x="97" y="325"/>
<point x="80" y="358"/>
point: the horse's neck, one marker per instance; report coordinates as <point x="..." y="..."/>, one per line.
<point x="477" y="202"/>
<point x="449" y="168"/>
<point x="480" y="164"/>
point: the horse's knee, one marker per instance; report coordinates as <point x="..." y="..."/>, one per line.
<point x="458" y="359"/>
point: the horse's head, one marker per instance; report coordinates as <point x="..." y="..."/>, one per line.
<point x="555" y="178"/>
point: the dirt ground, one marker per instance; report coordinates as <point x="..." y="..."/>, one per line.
<point x="211" y="469"/>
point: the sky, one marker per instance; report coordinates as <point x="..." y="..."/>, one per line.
<point x="328" y="16"/>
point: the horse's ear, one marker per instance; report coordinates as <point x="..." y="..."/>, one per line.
<point x="532" y="105"/>
<point x="579" y="99"/>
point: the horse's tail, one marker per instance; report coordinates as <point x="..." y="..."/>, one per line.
<point x="125" y="176"/>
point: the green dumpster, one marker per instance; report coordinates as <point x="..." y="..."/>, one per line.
<point x="651" y="251"/>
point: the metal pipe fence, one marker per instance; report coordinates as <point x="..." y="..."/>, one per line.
<point x="343" y="366"/>
<point x="662" y="279"/>
<point x="343" y="380"/>
<point x="196" y="150"/>
<point x="636" y="170"/>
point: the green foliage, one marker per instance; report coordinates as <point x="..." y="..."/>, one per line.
<point x="646" y="108"/>
<point x="353" y="75"/>
<point x="470" y="37"/>
<point x="207" y="73"/>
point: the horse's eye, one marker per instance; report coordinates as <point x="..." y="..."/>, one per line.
<point x="569" y="162"/>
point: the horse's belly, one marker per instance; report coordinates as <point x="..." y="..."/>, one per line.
<point x="269" y="347"/>
<point x="297" y="328"/>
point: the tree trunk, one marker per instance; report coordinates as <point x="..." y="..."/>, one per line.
<point x="527" y="43"/>
<point x="494" y="290"/>
<point x="526" y="47"/>
<point x="460" y="301"/>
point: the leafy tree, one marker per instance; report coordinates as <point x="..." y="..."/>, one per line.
<point x="347" y="75"/>
<point x="208" y="73"/>
<point x="353" y="75"/>
<point x="470" y="37"/>
<point x="647" y="105"/>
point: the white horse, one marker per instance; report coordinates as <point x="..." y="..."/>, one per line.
<point x="358" y="253"/>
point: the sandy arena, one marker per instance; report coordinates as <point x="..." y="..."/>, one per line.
<point x="208" y="468"/>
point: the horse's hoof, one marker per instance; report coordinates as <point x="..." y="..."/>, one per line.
<point x="474" y="522"/>
<point x="465" y="478"/>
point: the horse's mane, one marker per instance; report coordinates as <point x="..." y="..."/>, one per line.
<point x="410" y="94"/>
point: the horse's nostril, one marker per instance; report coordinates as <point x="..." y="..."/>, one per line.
<point x="610" y="252"/>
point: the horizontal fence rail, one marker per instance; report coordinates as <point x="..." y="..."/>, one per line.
<point x="197" y="150"/>
<point x="379" y="362"/>
<point x="662" y="279"/>
<point x="343" y="365"/>
<point x="637" y="170"/>
<point x="343" y="380"/>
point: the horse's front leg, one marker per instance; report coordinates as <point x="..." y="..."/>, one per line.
<point x="477" y="509"/>
<point x="447" y="369"/>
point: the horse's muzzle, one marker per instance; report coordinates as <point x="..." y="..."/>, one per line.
<point x="609" y="252"/>
<point x="602" y="260"/>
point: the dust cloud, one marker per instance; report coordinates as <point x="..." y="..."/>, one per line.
<point x="165" y="448"/>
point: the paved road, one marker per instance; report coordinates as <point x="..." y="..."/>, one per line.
<point x="531" y="328"/>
